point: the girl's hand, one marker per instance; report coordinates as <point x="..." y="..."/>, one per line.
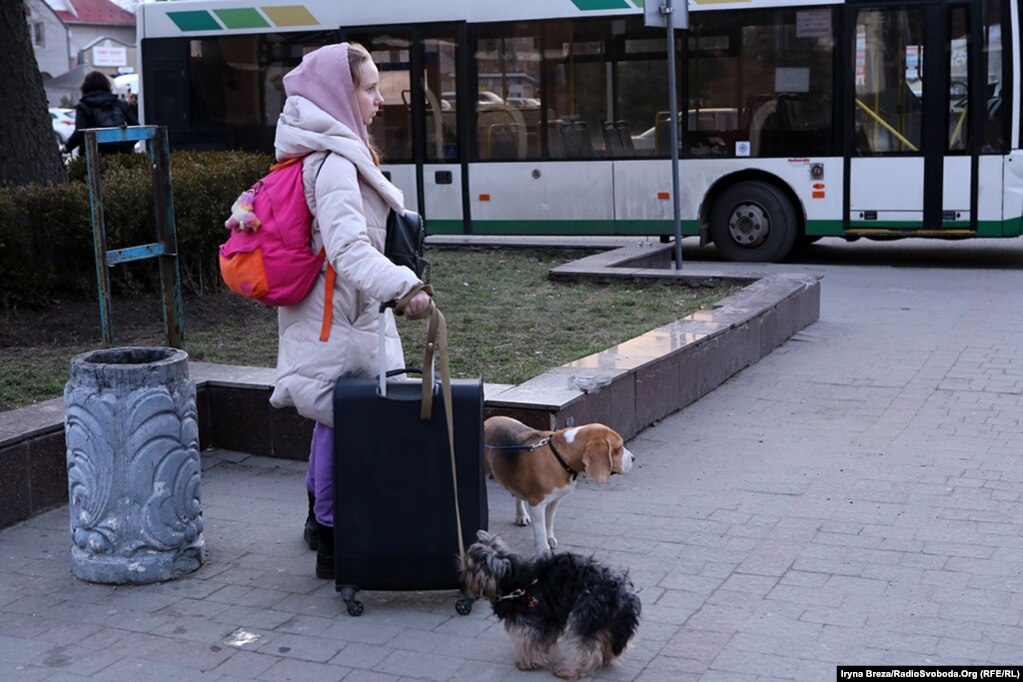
<point x="419" y="304"/>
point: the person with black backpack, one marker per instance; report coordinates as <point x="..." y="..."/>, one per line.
<point x="99" y="107"/>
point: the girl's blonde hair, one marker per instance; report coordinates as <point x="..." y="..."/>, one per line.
<point x="357" y="56"/>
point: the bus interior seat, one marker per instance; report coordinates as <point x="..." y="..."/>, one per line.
<point x="776" y="125"/>
<point x="569" y="140"/>
<point x="993" y="137"/>
<point x="555" y="147"/>
<point x="618" y="138"/>
<point x="503" y="141"/>
<point x="397" y="124"/>
<point x="575" y="138"/>
<point x="662" y="132"/>
<point x="861" y="141"/>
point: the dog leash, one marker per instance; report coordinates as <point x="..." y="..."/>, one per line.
<point x="520" y="592"/>
<point x="437" y="342"/>
<point x="549" y="442"/>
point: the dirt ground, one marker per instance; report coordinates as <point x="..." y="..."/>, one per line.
<point x="135" y="320"/>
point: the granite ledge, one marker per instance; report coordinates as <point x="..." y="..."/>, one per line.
<point x="628" y="386"/>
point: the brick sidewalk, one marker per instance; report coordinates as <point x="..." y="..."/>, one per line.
<point x="852" y="498"/>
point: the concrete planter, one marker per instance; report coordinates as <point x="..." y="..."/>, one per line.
<point x="131" y="428"/>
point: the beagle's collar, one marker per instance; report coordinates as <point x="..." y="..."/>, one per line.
<point x="549" y="442"/>
<point x="572" y="473"/>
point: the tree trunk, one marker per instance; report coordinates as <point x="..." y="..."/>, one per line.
<point x="29" y="145"/>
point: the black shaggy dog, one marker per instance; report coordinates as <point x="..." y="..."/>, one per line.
<point x="594" y="610"/>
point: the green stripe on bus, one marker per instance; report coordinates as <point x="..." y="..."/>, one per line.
<point x="290" y="15"/>
<point x="824" y="228"/>
<point x="1010" y="227"/>
<point x="434" y="226"/>
<point x="594" y="5"/>
<point x="562" y="227"/>
<point x="246" y="17"/>
<point x="197" y="20"/>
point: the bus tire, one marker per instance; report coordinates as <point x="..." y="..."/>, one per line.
<point x="753" y="222"/>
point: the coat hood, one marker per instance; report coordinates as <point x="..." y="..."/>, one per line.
<point x="303" y="128"/>
<point x="325" y="79"/>
<point x="97" y="98"/>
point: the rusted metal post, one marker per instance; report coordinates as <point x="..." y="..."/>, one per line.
<point x="99" y="236"/>
<point x="163" y="205"/>
<point x="165" y="248"/>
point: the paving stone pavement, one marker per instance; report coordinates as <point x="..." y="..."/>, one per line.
<point x="853" y="498"/>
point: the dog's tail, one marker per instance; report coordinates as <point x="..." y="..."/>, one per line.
<point x="626" y="620"/>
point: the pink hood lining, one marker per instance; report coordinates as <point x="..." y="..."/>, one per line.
<point x="325" y="79"/>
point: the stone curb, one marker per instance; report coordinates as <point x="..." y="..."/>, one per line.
<point x="636" y="383"/>
<point x="629" y="386"/>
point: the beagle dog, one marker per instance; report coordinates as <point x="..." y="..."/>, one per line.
<point x="540" y="467"/>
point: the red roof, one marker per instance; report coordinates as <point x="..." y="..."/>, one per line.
<point x="97" y="12"/>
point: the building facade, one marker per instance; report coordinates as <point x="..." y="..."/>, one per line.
<point x="73" y="37"/>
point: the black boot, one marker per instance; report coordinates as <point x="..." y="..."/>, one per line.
<point x="310" y="534"/>
<point x="325" y="553"/>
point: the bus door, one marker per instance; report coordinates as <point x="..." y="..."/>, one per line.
<point x="911" y="162"/>
<point x="417" y="129"/>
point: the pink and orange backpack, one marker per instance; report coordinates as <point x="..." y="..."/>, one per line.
<point x="268" y="256"/>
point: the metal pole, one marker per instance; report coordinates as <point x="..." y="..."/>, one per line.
<point x="166" y="234"/>
<point x="99" y="237"/>
<point x="668" y="11"/>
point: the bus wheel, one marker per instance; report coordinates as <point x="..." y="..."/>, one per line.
<point x="753" y="222"/>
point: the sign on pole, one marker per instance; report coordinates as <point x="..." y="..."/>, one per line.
<point x="654" y="14"/>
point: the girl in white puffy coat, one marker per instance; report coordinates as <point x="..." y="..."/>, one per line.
<point x="332" y="96"/>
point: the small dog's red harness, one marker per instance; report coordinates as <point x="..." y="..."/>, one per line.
<point x="531" y="602"/>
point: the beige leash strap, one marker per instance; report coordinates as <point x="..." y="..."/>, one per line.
<point x="437" y="343"/>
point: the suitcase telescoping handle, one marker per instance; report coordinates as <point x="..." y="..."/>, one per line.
<point x="436" y="352"/>
<point x="436" y="344"/>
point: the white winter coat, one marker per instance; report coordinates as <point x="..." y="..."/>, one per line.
<point x="349" y="198"/>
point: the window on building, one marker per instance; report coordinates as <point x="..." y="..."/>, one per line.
<point x="38" y="34"/>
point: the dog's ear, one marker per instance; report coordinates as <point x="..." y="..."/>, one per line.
<point x="489" y="555"/>
<point x="490" y="539"/>
<point x="597" y="458"/>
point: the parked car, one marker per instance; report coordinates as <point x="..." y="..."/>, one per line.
<point x="63" y="121"/>
<point x="524" y="102"/>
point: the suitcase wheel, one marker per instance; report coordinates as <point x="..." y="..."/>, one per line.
<point x="464" y="606"/>
<point x="353" y="605"/>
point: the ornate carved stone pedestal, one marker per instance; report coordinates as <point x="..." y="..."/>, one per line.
<point x="133" y="466"/>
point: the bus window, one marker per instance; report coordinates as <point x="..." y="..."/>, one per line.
<point x="441" y="104"/>
<point x="577" y="101"/>
<point x="959" y="79"/>
<point x="994" y="113"/>
<point x="224" y="81"/>
<point x="593" y="92"/>
<point x="641" y="79"/>
<point x="767" y="81"/>
<point x="391" y="130"/>
<point x="509" y="102"/>
<point x="235" y="88"/>
<point x="888" y="91"/>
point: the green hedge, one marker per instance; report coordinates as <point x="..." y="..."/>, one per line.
<point x="46" y="248"/>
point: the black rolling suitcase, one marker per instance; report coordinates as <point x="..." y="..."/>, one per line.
<point x="395" y="522"/>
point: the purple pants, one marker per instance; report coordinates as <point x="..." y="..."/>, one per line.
<point x="319" y="479"/>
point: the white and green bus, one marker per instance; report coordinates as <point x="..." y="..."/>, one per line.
<point x="801" y="119"/>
